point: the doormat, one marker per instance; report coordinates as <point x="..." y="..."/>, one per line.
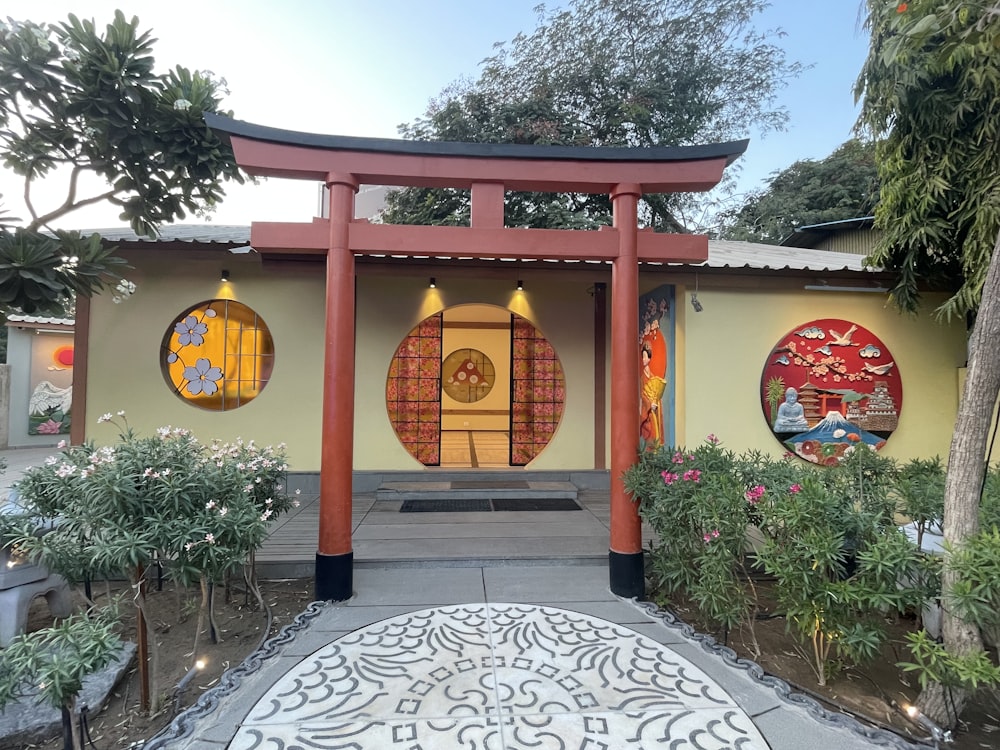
<point x="500" y="484"/>
<point x="446" y="505"/>
<point x="528" y="503"/>
<point x="482" y="505"/>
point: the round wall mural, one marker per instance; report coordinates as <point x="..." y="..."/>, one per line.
<point x="829" y="385"/>
<point x="468" y="375"/>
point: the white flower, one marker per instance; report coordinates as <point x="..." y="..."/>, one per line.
<point x="182" y="104"/>
<point x="295" y="503"/>
<point x="61" y="444"/>
<point x="209" y="505"/>
<point x="268" y="501"/>
<point x="267" y="514"/>
<point x="166" y="472"/>
<point x="223" y="511"/>
<point x="104" y="418"/>
<point x="65" y="470"/>
<point x="189" y="546"/>
<point x="298" y="492"/>
<point x="210" y="538"/>
<point x="121" y="412"/>
<point x="51" y="461"/>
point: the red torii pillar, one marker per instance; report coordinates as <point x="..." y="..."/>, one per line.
<point x="344" y="163"/>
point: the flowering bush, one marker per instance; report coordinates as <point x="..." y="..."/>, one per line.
<point x="200" y="510"/>
<point x="826" y="536"/>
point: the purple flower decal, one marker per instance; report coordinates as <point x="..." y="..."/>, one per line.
<point x="201" y="378"/>
<point x="190" y="331"/>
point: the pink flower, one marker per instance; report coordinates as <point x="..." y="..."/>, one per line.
<point x="669" y="478"/>
<point x="707" y="538"/>
<point x="678" y="458"/>
<point x="692" y="475"/>
<point x="795" y="489"/>
<point x="754" y="494"/>
<point x="50" y="427"/>
<point x="713" y="534"/>
<point x="712" y="439"/>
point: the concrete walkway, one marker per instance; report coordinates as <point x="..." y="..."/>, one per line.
<point x="497" y="659"/>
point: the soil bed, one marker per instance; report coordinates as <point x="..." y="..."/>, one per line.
<point x="174" y="616"/>
<point x="873" y="693"/>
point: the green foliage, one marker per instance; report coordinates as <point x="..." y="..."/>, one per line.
<point x="932" y="663"/>
<point x="919" y="493"/>
<point x="826" y="535"/>
<point x="608" y="73"/>
<point x="931" y="90"/>
<point x="41" y="274"/>
<point x="989" y="506"/>
<point x="203" y="509"/>
<point x="50" y="664"/>
<point x="844" y="185"/>
<point x="74" y="100"/>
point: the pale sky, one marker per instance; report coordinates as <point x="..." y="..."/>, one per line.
<point x="362" y="68"/>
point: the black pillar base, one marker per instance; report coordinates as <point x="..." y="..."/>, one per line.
<point x="334" y="577"/>
<point x="627" y="574"/>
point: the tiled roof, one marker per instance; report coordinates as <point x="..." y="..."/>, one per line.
<point x="721" y="253"/>
<point x="40" y="320"/>
<point x="196" y="233"/>
<point x="733" y="254"/>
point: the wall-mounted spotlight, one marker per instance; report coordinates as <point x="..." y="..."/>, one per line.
<point x="433" y="284"/>
<point x="520" y="285"/>
<point x="225" y="275"/>
<point x="698" y="307"/>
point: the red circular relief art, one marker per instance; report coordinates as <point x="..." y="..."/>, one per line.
<point x="829" y="385"/>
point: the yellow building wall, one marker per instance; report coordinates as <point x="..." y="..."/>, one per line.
<point x="719" y="356"/>
<point x="726" y="344"/>
<point x="125" y="339"/>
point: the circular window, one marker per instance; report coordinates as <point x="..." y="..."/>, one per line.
<point x="829" y="385"/>
<point x="468" y="375"/>
<point x="217" y="355"/>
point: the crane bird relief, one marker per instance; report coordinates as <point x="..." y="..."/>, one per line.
<point x="829" y="386"/>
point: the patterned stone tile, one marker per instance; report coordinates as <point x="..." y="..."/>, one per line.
<point x="704" y="729"/>
<point x="496" y="677"/>
<point x="426" y="664"/>
<point x="551" y="660"/>
<point x="482" y="733"/>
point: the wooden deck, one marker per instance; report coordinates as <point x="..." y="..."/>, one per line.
<point x="384" y="537"/>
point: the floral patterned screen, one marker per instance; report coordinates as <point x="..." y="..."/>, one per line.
<point x="217" y="355"/>
<point x="413" y="391"/>
<point x="539" y="392"/>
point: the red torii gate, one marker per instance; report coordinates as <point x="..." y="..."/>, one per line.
<point x="488" y="170"/>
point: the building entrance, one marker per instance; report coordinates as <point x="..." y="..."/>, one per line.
<point x="475" y="386"/>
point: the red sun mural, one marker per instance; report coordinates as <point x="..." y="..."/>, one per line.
<point x="829" y="385"/>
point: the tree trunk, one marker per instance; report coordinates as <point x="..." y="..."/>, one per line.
<point x="963" y="486"/>
<point x="71" y="729"/>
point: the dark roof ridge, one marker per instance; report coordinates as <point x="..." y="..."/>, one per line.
<point x="226" y="125"/>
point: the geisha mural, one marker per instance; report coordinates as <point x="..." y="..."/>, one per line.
<point x="655" y="429"/>
<point x="828" y="386"/>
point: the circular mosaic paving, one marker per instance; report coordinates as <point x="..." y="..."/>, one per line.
<point x="492" y="677"/>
